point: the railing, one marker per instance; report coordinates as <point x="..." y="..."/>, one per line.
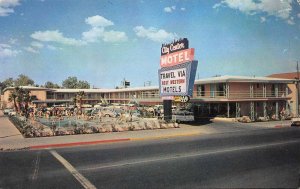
<point x="241" y="95"/>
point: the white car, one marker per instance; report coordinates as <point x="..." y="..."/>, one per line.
<point x="12" y="113"/>
<point x="7" y="110"/>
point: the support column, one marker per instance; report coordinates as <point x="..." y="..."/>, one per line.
<point x="251" y="90"/>
<point x="209" y="108"/>
<point x="265" y="109"/>
<point x="264" y="90"/>
<point x="252" y="111"/>
<point x="277" y="111"/>
<point x="237" y="110"/>
<point x="228" y="110"/>
<point x="276" y="90"/>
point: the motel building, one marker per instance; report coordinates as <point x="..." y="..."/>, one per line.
<point x="223" y="96"/>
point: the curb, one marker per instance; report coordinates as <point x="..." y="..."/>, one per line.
<point x="76" y="144"/>
<point x="59" y="145"/>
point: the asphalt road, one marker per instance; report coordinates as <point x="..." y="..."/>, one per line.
<point x="250" y="158"/>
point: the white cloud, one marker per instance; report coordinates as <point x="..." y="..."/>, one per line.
<point x="37" y="44"/>
<point x="298" y="15"/>
<point x="93" y="34"/>
<point x="55" y="36"/>
<point x="98" y="21"/>
<point x="31" y="49"/>
<point x="7" y="51"/>
<point x="98" y="31"/>
<point x="114" y="36"/>
<point x="6" y="6"/>
<point x="278" y="8"/>
<point x="262" y="19"/>
<point x="182" y="9"/>
<point x="51" y="47"/>
<point x="291" y="21"/>
<point x="13" y="41"/>
<point x="157" y="35"/>
<point x="169" y="9"/>
<point x="284" y="51"/>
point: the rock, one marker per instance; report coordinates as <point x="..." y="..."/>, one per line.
<point x="163" y="126"/>
<point x="107" y="127"/>
<point x="142" y="126"/>
<point x="155" y="124"/>
<point x="95" y="129"/>
<point x="46" y="132"/>
<point x="125" y="126"/>
<point x="262" y="119"/>
<point x="244" y="119"/>
<point x="87" y="130"/>
<point x="117" y="128"/>
<point x="170" y="125"/>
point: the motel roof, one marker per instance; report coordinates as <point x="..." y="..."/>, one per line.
<point x="242" y="79"/>
<point x="106" y="90"/>
<point x="29" y="88"/>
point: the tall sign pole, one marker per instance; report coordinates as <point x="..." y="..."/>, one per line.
<point x="297" y="91"/>
<point x="176" y="74"/>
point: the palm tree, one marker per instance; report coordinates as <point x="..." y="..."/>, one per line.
<point x="13" y="97"/>
<point x="20" y="97"/>
<point x="27" y="98"/>
<point x="79" y="97"/>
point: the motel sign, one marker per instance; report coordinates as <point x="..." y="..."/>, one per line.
<point x="178" y="69"/>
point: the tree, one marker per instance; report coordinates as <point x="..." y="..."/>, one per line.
<point x="83" y="85"/>
<point x="27" y="98"/>
<point x="73" y="83"/>
<point x="23" y="80"/>
<point x="8" y="82"/>
<point x="70" y="83"/>
<point x="51" y="85"/>
<point x="79" y="97"/>
<point x="13" y="97"/>
<point x="20" y="96"/>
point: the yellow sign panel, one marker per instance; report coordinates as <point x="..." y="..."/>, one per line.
<point x="177" y="98"/>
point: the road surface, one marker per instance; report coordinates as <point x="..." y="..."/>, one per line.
<point x="248" y="158"/>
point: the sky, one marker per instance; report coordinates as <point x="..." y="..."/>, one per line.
<point x="105" y="41"/>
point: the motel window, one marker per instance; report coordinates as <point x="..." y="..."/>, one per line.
<point x="50" y="95"/>
<point x="33" y="97"/>
<point x="273" y="90"/>
<point x="201" y="90"/>
<point x="60" y="96"/>
<point x="220" y="89"/>
<point x="257" y="85"/>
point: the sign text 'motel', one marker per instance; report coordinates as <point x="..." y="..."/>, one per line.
<point x="178" y="57"/>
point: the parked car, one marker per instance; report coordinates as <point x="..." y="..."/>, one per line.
<point x="12" y="113"/>
<point x="295" y="122"/>
<point x="7" y="110"/>
<point x="183" y="116"/>
<point x="109" y="113"/>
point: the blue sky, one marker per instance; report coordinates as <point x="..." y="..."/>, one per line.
<point x="104" y="41"/>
